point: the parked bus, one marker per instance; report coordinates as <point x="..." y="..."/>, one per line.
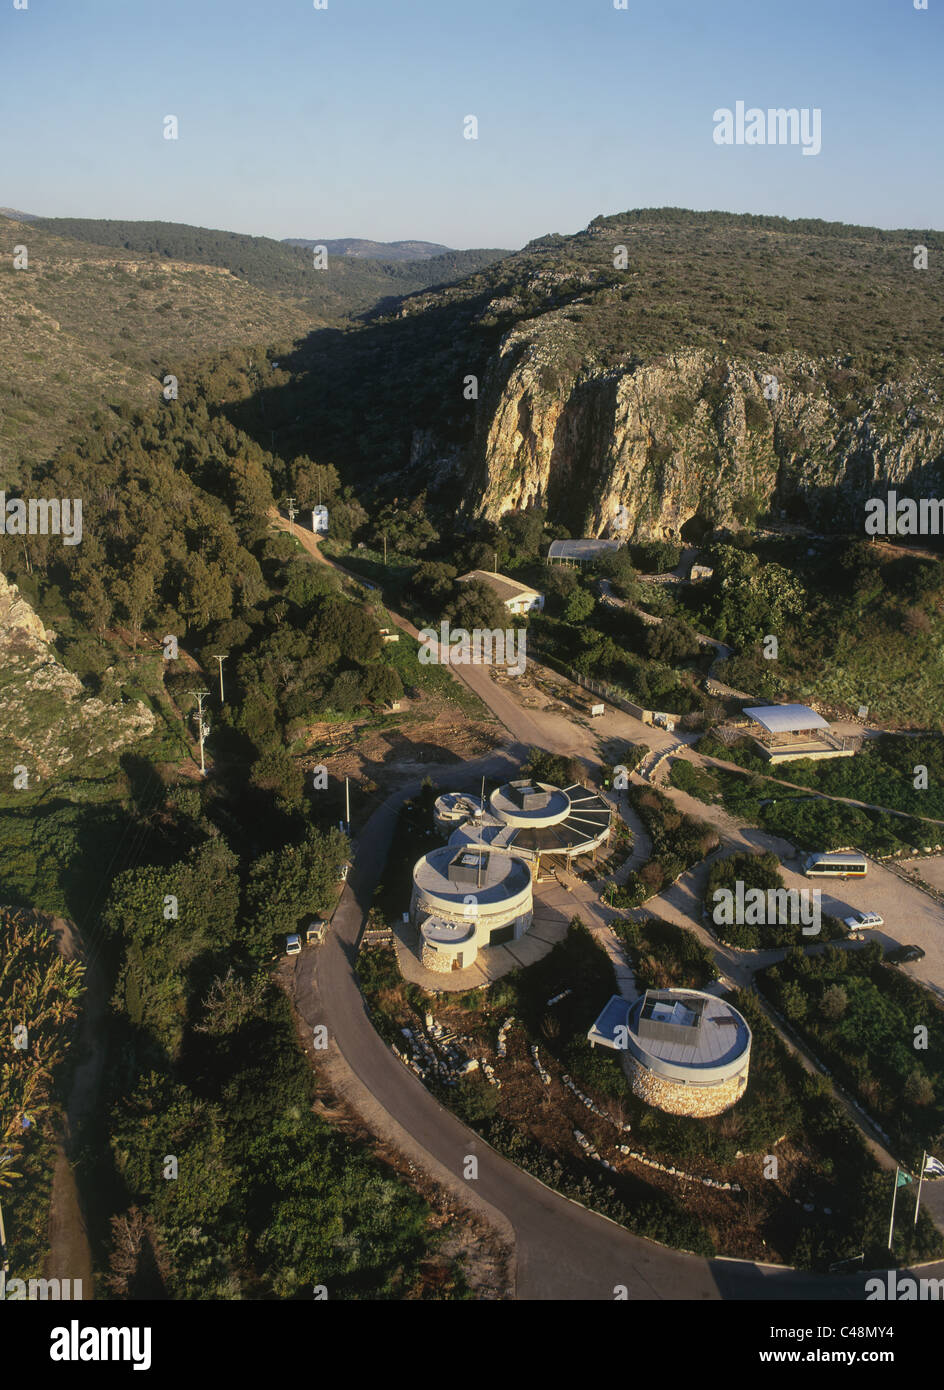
<point x="835" y="865"/>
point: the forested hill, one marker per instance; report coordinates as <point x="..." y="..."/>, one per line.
<point x="373" y="250"/>
<point x="630" y="358"/>
<point x="349" y="284"/>
<point x="83" y="326"/>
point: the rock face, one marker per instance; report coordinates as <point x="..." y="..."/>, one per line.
<point x="46" y="719"/>
<point x="697" y="434"/>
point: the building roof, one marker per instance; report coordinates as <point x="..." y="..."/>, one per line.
<point x="688" y="1029"/>
<point x="505" y="588"/>
<point x="580" y="550"/>
<point x="786" y="719"/>
<point x="615" y="1015"/>
<point x="452" y="872"/>
<point x="576" y="820"/>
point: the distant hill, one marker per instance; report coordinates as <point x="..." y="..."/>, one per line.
<point x="84" y="326"/>
<point x="104" y="305"/>
<point x="351" y="284"/>
<point x="18" y="216"/>
<point x="372" y="250"/>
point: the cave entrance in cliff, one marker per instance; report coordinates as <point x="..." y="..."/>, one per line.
<point x="696" y="529"/>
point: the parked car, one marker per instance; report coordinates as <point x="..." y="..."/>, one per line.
<point x="862" y="921"/>
<point x="344" y="872"/>
<point x="315" y="933"/>
<point x="909" y="953"/>
<point x="293" y="945"/>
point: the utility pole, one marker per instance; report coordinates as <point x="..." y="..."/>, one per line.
<point x="347" y="802"/>
<point x="291" y="508"/>
<point x="200" y="696"/>
<point x="221" y="659"/>
<point x="385" y="550"/>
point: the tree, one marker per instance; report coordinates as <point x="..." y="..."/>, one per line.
<point x="579" y="606"/>
<point x="312" y="483"/>
<point x="919" y="1089"/>
<point x="433" y="581"/>
<point x="346" y="693"/>
<point x="277" y="771"/>
<point x="383" y="684"/>
<point x="617" y="567"/>
<point x="834" y="1003"/>
<point x="287" y="883"/>
<point x="523" y="532"/>
<point x="232" y="1002"/>
<point x="476" y="605"/>
<point x="553" y="768"/>
<point x="671" y="642"/>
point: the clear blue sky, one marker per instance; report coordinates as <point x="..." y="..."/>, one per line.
<point x="348" y="121"/>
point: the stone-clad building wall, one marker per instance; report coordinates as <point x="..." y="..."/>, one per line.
<point x="441" y="961"/>
<point x="679" y="1099"/>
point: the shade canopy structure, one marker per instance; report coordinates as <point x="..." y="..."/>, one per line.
<point x="530" y="819"/>
<point x="579" y="551"/>
<point x="786" y="719"/>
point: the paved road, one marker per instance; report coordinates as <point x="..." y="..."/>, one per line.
<point x="562" y="1251"/>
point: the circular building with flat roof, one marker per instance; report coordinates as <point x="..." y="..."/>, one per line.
<point x="686" y="1052"/>
<point x="465" y="897"/>
<point x="452" y="808"/>
<point x="533" y="819"/>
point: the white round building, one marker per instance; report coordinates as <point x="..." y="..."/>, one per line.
<point x="533" y="820"/>
<point x="466" y="897"/>
<point x="686" y="1052"/>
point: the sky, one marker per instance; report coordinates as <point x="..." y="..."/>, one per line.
<point x="349" y="120"/>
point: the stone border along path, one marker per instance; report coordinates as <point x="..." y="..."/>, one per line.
<point x="562" y="1250"/>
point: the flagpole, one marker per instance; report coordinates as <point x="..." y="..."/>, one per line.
<point x="924" y="1159"/>
<point x="891" y="1224"/>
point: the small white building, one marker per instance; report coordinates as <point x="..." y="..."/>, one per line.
<point x="517" y="598"/>
<point x="319" y="520"/>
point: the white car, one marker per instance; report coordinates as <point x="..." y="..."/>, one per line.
<point x="860" y="921"/>
<point x="293" y="945"/>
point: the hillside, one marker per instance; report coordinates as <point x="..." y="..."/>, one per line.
<point x="373" y="250"/>
<point x="349" y="284"/>
<point x="83" y="326"/>
<point x="645" y="385"/>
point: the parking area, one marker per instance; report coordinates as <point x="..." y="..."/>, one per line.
<point x="911" y="917"/>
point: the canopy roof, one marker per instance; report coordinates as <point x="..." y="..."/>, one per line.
<point x="786" y="719"/>
<point x="580" y="549"/>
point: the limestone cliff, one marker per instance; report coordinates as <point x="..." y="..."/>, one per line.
<point x="46" y="718"/>
<point x="698" y="433"/>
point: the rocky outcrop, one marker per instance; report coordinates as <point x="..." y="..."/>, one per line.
<point x="696" y="433"/>
<point x="46" y="719"/>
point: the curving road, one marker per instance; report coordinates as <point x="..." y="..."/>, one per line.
<point x="562" y="1251"/>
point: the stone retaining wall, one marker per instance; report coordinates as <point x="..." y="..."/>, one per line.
<point x="678" y="1099"/>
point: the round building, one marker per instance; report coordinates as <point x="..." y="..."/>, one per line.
<point x="464" y="898"/>
<point x="452" y="808"/>
<point x="687" y="1052"/>
<point x="535" y="821"/>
